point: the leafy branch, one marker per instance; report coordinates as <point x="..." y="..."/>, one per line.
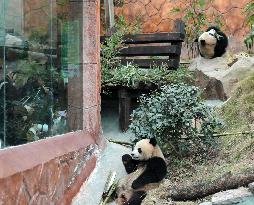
<point x="177" y="117"/>
<point x="249" y="11"/>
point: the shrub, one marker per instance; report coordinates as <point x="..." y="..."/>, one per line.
<point x="248" y="10"/>
<point x="168" y="115"/>
<point x="109" y="51"/>
<point x="31" y="97"/>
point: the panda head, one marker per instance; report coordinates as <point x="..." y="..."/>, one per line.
<point x="212" y="43"/>
<point x="146" y="149"/>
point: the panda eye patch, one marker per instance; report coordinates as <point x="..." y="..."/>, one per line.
<point x="139" y="150"/>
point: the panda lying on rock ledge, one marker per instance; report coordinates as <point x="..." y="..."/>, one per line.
<point x="146" y="168"/>
<point x="212" y="43"/>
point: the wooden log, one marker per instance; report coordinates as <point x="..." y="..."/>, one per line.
<point x="202" y="189"/>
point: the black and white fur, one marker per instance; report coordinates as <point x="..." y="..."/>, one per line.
<point x="145" y="167"/>
<point x="212" y="43"/>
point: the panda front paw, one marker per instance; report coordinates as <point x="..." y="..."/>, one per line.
<point x="136" y="185"/>
<point x="126" y="158"/>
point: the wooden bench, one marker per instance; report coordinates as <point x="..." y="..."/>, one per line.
<point x="142" y="50"/>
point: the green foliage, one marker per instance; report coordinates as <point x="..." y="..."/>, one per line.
<point x="132" y="76"/>
<point x="118" y="3"/>
<point x="114" y="73"/>
<point x="249" y="11"/>
<point x="39" y="35"/>
<point x="110" y="48"/>
<point x="31" y="98"/>
<point x="128" y="27"/>
<point x="249" y="39"/>
<point x="170" y="115"/>
<point x="62" y="2"/>
<point x="33" y="71"/>
<point x="109" y="51"/>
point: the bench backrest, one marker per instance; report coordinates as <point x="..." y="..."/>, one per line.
<point x="150" y="49"/>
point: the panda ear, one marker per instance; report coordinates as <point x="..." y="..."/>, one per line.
<point x="196" y="40"/>
<point x="153" y="141"/>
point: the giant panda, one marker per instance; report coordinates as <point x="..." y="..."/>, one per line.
<point x="212" y="43"/>
<point x="146" y="168"/>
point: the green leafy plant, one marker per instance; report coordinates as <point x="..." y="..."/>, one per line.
<point x="110" y="47"/>
<point x="114" y="73"/>
<point x="109" y="51"/>
<point x="128" y="27"/>
<point x="177" y="117"/>
<point x="118" y="3"/>
<point x="31" y="98"/>
<point x="249" y="11"/>
<point x="131" y="75"/>
<point x="39" y="35"/>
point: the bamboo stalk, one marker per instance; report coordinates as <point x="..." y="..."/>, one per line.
<point x="121" y="142"/>
<point x="200" y="135"/>
<point x="109" y="187"/>
<point x="230" y="133"/>
<point x="113" y="187"/>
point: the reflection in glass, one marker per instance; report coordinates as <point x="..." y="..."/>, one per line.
<point x="39" y="57"/>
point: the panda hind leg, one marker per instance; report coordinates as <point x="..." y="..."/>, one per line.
<point x="136" y="198"/>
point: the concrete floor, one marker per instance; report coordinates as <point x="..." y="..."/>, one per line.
<point x="109" y="160"/>
<point x="110" y="125"/>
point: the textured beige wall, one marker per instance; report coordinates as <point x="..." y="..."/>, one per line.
<point x="156" y="17"/>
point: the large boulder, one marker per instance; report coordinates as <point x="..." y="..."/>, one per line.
<point x="241" y="69"/>
<point x="229" y="197"/>
<point x="214" y="67"/>
<point x="251" y="187"/>
<point x="212" y="88"/>
<point x="228" y="71"/>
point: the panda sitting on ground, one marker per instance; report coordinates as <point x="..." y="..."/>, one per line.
<point x="146" y="169"/>
<point x="212" y="43"/>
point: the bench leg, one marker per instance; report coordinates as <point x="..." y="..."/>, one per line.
<point x="124" y="109"/>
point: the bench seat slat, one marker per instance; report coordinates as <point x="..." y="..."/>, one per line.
<point x="153" y="38"/>
<point x="150" y="51"/>
<point x="145" y="38"/>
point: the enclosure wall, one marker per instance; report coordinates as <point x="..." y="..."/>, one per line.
<point x="51" y="170"/>
<point x="156" y="16"/>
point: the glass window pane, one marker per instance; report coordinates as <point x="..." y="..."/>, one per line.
<point x="40" y="73"/>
